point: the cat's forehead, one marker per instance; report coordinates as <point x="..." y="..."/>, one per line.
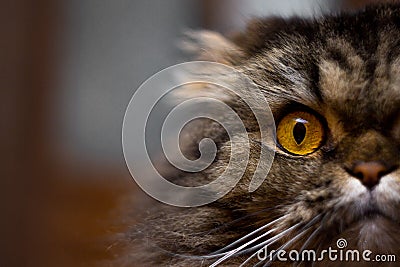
<point x="348" y="64"/>
<point x="360" y="86"/>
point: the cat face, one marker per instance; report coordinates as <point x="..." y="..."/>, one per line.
<point x="344" y="72"/>
<point x="339" y="75"/>
<point x="333" y="86"/>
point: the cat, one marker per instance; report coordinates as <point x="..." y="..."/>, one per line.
<point x="333" y="85"/>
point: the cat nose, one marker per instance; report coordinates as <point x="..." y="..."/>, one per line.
<point x="369" y="173"/>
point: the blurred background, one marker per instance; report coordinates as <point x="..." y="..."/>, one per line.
<point x="68" y="71"/>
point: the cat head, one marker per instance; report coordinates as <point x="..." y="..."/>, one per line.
<point x="333" y="85"/>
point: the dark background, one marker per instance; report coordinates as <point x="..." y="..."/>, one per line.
<point x="68" y="70"/>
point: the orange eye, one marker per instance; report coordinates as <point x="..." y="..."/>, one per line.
<point x="300" y="133"/>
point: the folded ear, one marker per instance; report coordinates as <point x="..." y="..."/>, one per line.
<point x="211" y="46"/>
<point x="260" y="33"/>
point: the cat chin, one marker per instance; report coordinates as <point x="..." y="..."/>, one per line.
<point x="377" y="233"/>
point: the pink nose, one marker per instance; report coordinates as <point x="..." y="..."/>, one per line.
<point x="369" y="173"/>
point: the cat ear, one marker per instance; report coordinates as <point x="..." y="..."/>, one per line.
<point x="259" y="33"/>
<point x="211" y="46"/>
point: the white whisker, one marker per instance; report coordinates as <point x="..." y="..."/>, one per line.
<point x="291" y="241"/>
<point x="234" y="251"/>
<point x="248" y="235"/>
<point x="313" y="235"/>
<point x="268" y="242"/>
<point x="254" y="254"/>
<point x="220" y="252"/>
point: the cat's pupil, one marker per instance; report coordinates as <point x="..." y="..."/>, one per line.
<point x="299" y="132"/>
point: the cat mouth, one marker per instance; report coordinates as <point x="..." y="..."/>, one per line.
<point x="371" y="208"/>
<point x="373" y="215"/>
<point x="368" y="212"/>
<point x="373" y="212"/>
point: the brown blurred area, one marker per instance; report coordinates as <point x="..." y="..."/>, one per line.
<point x="52" y="213"/>
<point x="55" y="211"/>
